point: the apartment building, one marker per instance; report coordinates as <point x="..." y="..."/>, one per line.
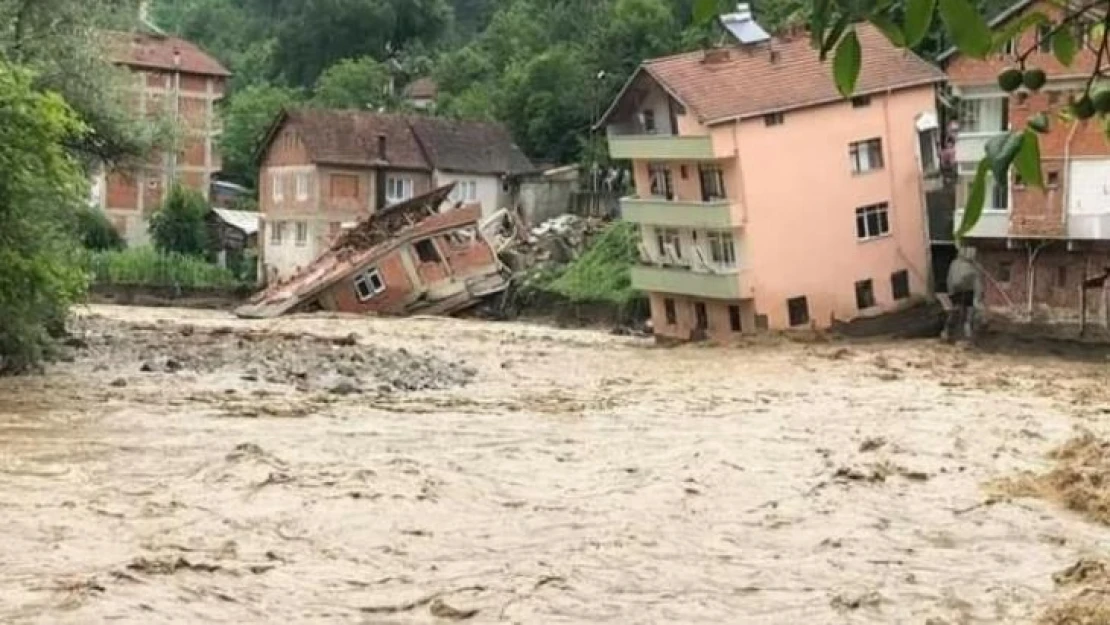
<point x="765" y="200"/>
<point x="324" y="170"/>
<point x="177" y="81"/>
<point x="1037" y="247"/>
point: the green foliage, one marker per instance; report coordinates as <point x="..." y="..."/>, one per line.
<point x="178" y="226"/>
<point x="846" y="64"/>
<point x="145" y="266"/>
<point x="95" y="231"/>
<point x="40" y="186"/>
<point x="603" y="273"/>
<point x="247" y="117"/>
<point x="361" y="83"/>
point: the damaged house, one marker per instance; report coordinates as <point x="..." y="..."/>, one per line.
<point x="404" y="259"/>
<point x="324" y="170"/>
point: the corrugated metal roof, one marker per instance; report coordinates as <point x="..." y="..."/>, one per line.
<point x="241" y="220"/>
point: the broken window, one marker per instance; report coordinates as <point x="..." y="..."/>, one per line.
<point x="369" y="284"/>
<point x="302" y="233"/>
<point x="662" y="185"/>
<point x="872" y="221"/>
<point x="866" y="155"/>
<point x="900" y="284"/>
<point x="712" y="182"/>
<point x="734" y="318"/>
<point x="670" y="312"/>
<point x="426" y="251"/>
<point x="798" y="310"/>
<point x="865" y="294"/>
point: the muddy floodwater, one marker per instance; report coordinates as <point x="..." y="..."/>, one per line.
<point x="188" y="467"/>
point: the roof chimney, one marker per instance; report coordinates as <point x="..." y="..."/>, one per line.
<point x="381" y="147"/>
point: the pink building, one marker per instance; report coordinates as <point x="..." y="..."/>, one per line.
<point x="765" y="199"/>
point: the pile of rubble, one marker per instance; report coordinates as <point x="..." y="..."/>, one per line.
<point x="557" y="241"/>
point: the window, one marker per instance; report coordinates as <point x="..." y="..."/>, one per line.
<point x="302" y="187"/>
<point x="1044" y="38"/>
<point x="701" y="316"/>
<point x="668" y="237"/>
<point x="344" y="186"/>
<point x="865" y="294"/>
<point x="734" y="318"/>
<point x="712" y="183"/>
<point x="983" y="115"/>
<point x="798" y="310"/>
<point x="277" y="232"/>
<point x="861" y="101"/>
<point x="900" y="285"/>
<point x="398" y="190"/>
<point x="278" y="185"/>
<point x="1009" y="48"/>
<point x="662" y="185"/>
<point x="302" y="233"/>
<point x="1082" y="32"/>
<point x="928" y="142"/>
<point x="369" y="284"/>
<point x="465" y="191"/>
<point x="866" y="155"/>
<point x="774" y="119"/>
<point x="1062" y="276"/>
<point x="722" y="249"/>
<point x="1053" y="179"/>
<point x="649" y="121"/>
<point x="670" y="312"/>
<point x="1005" y="269"/>
<point x="426" y="251"/>
<point x="1000" y="194"/>
<point x="872" y="221"/>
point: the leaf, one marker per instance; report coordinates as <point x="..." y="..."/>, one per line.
<point x="1028" y="160"/>
<point x="818" y="22"/>
<point x="846" y="64"/>
<point x="975" y="199"/>
<point x="1018" y="26"/>
<point x="705" y="11"/>
<point x="834" y="35"/>
<point x="968" y="29"/>
<point x="919" y="16"/>
<point x="1001" y="151"/>
<point x="1097" y="31"/>
<point x="889" y="28"/>
<point x="1064" y="46"/>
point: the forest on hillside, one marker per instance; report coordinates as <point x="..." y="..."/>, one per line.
<point x="546" y="68"/>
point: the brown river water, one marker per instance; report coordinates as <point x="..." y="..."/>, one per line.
<point x="442" y="470"/>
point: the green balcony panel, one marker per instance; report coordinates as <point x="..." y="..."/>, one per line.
<point x="661" y="147"/>
<point x="729" y="286"/>
<point x="660" y="212"/>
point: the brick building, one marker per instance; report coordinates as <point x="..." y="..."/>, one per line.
<point x="1036" y="246"/>
<point x="174" y="80"/>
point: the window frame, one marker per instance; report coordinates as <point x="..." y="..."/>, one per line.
<point x="660" y="172"/>
<point x="881" y="210"/>
<point x="366" y="279"/>
<point x="648" y="118"/>
<point x="406" y="185"/>
<point x="302" y="183"/>
<point x="715" y="175"/>
<point x="777" y="118"/>
<point x="861" y="101"/>
<point x="277" y="184"/>
<point x="866" y="156"/>
<point x="300" y="228"/>
<point x="722" y="248"/>
<point x="669" y="235"/>
<point x="804" y="316"/>
<point x="277" y="232"/>
<point x="865" y="294"/>
<point x="735" y="318"/>
<point x="900" y="285"/>
<point x="670" y="311"/>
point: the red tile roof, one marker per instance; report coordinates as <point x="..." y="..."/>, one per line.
<point x="150" y="51"/>
<point x="422" y="88"/>
<point x="351" y="138"/>
<point x="749" y="82"/>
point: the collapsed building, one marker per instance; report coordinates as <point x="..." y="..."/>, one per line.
<point x="409" y="258"/>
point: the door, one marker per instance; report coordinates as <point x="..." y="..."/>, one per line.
<point x="702" y="315"/>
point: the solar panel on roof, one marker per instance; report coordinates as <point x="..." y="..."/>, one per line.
<point x="743" y="27"/>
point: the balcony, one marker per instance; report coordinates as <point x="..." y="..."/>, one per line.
<point x="682" y="281"/>
<point x="661" y="147"/>
<point x="716" y="214"/>
<point x="1089" y="225"/>
<point x="993" y="224"/>
<point x="971" y="146"/>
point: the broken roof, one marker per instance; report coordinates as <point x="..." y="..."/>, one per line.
<point x="358" y="246"/>
<point x="779" y="75"/>
<point x="162" y="52"/>
<point x="469" y="146"/>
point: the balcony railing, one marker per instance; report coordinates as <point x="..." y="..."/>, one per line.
<point x="714" y="214"/>
<point x="992" y="224"/>
<point x="731" y="285"/>
<point x="971" y="146"/>
<point x="661" y="147"/>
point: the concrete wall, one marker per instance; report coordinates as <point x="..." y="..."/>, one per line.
<point x="1055" y="281"/>
<point x="801" y="196"/>
<point x="720" y="326"/>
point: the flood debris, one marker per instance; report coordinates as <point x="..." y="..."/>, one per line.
<point x="403" y="260"/>
<point x="1087" y="602"/>
<point x="1080" y="481"/>
<point x="169" y="566"/>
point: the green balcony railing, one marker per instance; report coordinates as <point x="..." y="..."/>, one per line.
<point x="728" y="286"/>
<point x="716" y="214"/>
<point x="661" y="147"/>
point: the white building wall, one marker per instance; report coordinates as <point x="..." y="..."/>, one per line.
<point x="488" y="188"/>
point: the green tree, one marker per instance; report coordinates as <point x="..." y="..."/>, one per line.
<point x="178" y="226"/>
<point x="95" y="231"/>
<point x="40" y="185"/>
<point x="361" y="83"/>
<point x="547" y="103"/>
<point x="247" y="117"/>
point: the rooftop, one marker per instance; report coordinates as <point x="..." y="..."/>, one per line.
<point x="155" y="51"/>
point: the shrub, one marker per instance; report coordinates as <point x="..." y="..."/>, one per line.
<point x="148" y="267"/>
<point x="178" y="226"/>
<point x="95" y="231"/>
<point x="603" y="273"/>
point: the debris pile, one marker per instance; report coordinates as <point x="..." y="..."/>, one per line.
<point x="1080" y="481"/>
